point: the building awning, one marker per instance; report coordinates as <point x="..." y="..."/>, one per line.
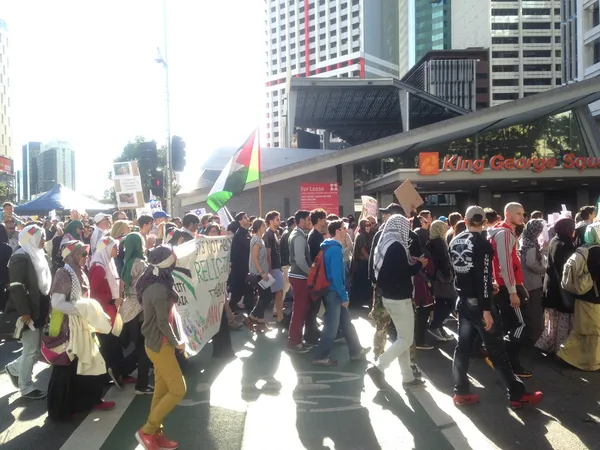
<point x="363" y="110"/>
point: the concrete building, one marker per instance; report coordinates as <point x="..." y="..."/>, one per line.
<point x="524" y="38"/>
<point x="325" y="38"/>
<point x="5" y="125"/>
<point x="580" y="25"/>
<point x="56" y="165"/>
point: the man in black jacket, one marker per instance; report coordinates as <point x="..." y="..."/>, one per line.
<point x="285" y="253"/>
<point x="471" y="255"/>
<point x="239" y="257"/>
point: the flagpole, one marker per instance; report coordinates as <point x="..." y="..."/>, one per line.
<point x="259" y="198"/>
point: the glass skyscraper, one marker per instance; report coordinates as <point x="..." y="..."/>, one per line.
<point x="432" y="26"/>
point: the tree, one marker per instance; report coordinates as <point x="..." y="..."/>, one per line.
<point x="5" y="195"/>
<point x="129" y="154"/>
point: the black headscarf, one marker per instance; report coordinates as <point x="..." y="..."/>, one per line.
<point x="161" y="262"/>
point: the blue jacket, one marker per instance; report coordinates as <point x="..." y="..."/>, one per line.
<point x="334" y="267"/>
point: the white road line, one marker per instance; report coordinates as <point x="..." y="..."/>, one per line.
<point x="98" y="425"/>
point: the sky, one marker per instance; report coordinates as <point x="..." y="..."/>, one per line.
<point x="85" y="72"/>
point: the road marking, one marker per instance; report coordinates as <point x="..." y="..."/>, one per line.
<point x="98" y="425"/>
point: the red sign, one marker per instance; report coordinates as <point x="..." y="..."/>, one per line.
<point x="320" y="195"/>
<point x="454" y="163"/>
<point x="6" y="165"/>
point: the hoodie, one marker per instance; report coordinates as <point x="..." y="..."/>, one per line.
<point x="334" y="267"/>
<point x="506" y="263"/>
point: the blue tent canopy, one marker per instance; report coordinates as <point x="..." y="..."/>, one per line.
<point x="60" y="198"/>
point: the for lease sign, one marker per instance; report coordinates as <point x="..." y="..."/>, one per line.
<point x="320" y="195"/>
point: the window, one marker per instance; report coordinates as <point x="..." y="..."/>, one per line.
<point x="481" y="90"/>
<point x="536" y="25"/>
<point x="509" y="82"/>
<point x="537" y="67"/>
<point x="536" y="11"/>
<point x="505" y="12"/>
<point x="557" y="39"/>
<point x="537" y="53"/>
<point x="537" y="81"/>
<point x="558" y="81"/>
<point x="558" y="68"/>
<point x="505" y="26"/>
<point x="505" y="68"/>
<point x="505" y="54"/>
<point x="537" y="39"/>
<point x="505" y="40"/>
<point x="506" y="96"/>
<point x="557" y="25"/>
<point x="557" y="53"/>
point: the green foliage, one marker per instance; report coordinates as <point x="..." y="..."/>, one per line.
<point x="5" y="195"/>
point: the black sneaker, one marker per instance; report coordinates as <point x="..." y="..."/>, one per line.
<point x="148" y="390"/>
<point x="522" y="373"/>
<point x="416" y="371"/>
<point x="36" y="394"/>
<point x="378" y="378"/>
<point x="116" y="379"/>
<point x="13" y="379"/>
<point x="414" y="383"/>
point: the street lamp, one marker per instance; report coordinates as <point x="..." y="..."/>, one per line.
<point x="161" y="58"/>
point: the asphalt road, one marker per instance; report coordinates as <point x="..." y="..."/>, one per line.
<point x="267" y="399"/>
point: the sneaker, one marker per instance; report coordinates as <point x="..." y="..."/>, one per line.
<point x="528" y="398"/>
<point x="327" y="362"/>
<point x="164" y="443"/>
<point x="489" y="362"/>
<point x="522" y="373"/>
<point x="36" y="394"/>
<point x="445" y="335"/>
<point x="104" y="406"/>
<point x="378" y="378"/>
<point x="117" y="380"/>
<point x="148" y="390"/>
<point x="308" y="345"/>
<point x="13" y="378"/>
<point x="424" y="347"/>
<point x="414" y="383"/>
<point x="361" y="355"/>
<point x="416" y="371"/>
<point x="469" y="399"/>
<point x="147" y="441"/>
<point x="298" y="349"/>
<point x="436" y="334"/>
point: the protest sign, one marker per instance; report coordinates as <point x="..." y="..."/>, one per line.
<point x="369" y="207"/>
<point x="201" y="282"/>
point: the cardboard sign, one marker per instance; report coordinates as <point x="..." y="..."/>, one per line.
<point x="408" y="197"/>
<point x="369" y="207"/>
<point x="128" y="185"/>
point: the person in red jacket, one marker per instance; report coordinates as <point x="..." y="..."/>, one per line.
<point x="105" y="287"/>
<point x="512" y="295"/>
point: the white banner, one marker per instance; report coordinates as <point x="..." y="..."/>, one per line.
<point x="201" y="281"/>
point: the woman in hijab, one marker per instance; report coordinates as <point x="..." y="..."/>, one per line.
<point x="443" y="280"/>
<point x="72" y="232"/>
<point x="533" y="263"/>
<point x="361" y="290"/>
<point x="557" y="312"/>
<point x="156" y="289"/>
<point x="5" y="252"/>
<point x="582" y="347"/>
<point x="134" y="265"/>
<point x="394" y="269"/>
<point x="119" y="230"/>
<point x="30" y="279"/>
<point x="69" y="392"/>
<point x="105" y="288"/>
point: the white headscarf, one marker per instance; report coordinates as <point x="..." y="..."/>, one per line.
<point x="29" y="240"/>
<point x="102" y="256"/>
<point x="396" y="229"/>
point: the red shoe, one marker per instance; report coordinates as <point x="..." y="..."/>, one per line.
<point x="147" y="441"/>
<point x="469" y="399"/>
<point x="527" y="399"/>
<point x="164" y="443"/>
<point x="104" y="406"/>
<point x="129" y="380"/>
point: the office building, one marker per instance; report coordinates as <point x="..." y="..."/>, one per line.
<point x="325" y="38"/>
<point x="581" y="43"/>
<point x="56" y="165"/>
<point x="29" y="178"/>
<point x="5" y="127"/>
<point x="432" y="26"/>
<point x="524" y="38"/>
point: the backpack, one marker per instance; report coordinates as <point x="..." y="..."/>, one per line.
<point x="317" y="283"/>
<point x="576" y="278"/>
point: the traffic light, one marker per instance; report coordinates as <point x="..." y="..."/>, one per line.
<point x="178" y="154"/>
<point x="157" y="183"/>
<point x="147" y="155"/>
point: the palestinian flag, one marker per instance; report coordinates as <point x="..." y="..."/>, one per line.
<point x="242" y="168"/>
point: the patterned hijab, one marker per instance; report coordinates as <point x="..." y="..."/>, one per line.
<point x="592" y="234"/>
<point x="438" y="230"/>
<point x="396" y="229"/>
<point x="529" y="238"/>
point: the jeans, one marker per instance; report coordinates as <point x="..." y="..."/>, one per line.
<point x="264" y="298"/>
<point x="300" y="308"/>
<point x="169" y="387"/>
<point x="470" y="324"/>
<point x="22" y="367"/>
<point x="443" y="308"/>
<point x="402" y="313"/>
<point x="336" y="316"/>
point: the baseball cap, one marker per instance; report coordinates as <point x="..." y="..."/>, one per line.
<point x="100" y="217"/>
<point x="443" y="219"/>
<point x="392" y="208"/>
<point x="475" y="213"/>
<point x="159" y="214"/>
